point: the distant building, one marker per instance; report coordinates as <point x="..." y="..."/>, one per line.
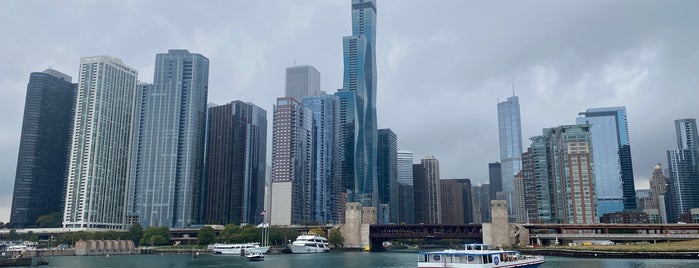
<point x="42" y="162"/>
<point x="657" y="186"/>
<point x="387" y="174"/>
<point x="682" y="194"/>
<point x="643" y="199"/>
<point x="406" y="198"/>
<point x="494" y="180"/>
<point x="456" y="204"/>
<point x="302" y="81"/>
<point x="537" y="176"/>
<point x="520" y="199"/>
<point x="612" y="155"/>
<point x="420" y="193"/>
<point x="427" y="191"/>
<point x="481" y="203"/>
<point x="350" y="148"/>
<point x="169" y="141"/>
<point x="101" y="144"/>
<point x="236" y="164"/>
<point x="510" y="133"/>
<point x="292" y="163"/>
<point x="625" y="218"/>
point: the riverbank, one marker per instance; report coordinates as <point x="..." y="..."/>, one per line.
<point x="666" y="250"/>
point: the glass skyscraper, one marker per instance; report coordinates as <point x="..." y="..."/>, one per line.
<point x="510" y="132"/>
<point x="326" y="155"/>
<point x="359" y="54"/>
<point x="388" y="174"/>
<point x="98" y="170"/>
<point x="234" y="187"/>
<point x="683" y="163"/>
<point x="42" y="161"/>
<point x="169" y="164"/>
<point x="405" y="187"/>
<point x="612" y="153"/>
<point x="302" y="81"/>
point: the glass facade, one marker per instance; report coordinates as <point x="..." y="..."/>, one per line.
<point x="101" y="143"/>
<point x="388" y="173"/>
<point x="302" y="81"/>
<point x="612" y="153"/>
<point x="169" y="164"/>
<point x="326" y="185"/>
<point x="510" y="133"/>
<point x="406" y="200"/>
<point x="359" y="54"/>
<point x="43" y="148"/>
<point x="682" y="194"/>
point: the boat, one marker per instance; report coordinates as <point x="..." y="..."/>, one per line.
<point x="309" y="244"/>
<point x="476" y="256"/>
<point x="255" y="257"/>
<point x="240" y="249"/>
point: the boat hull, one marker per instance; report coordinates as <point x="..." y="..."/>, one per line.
<point x="296" y="249"/>
<point x="237" y="251"/>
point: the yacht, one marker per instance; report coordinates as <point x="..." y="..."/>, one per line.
<point x="238" y="248"/>
<point x="309" y="244"/>
<point x="477" y="256"/>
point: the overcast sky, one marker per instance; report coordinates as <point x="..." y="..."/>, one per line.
<point x="442" y="65"/>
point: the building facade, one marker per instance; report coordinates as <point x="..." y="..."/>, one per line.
<point x="510" y="134"/>
<point x="612" y="153"/>
<point x="388" y="174"/>
<point x="657" y="186"/>
<point x="683" y="183"/>
<point x="406" y="198"/>
<point x="452" y="202"/>
<point x="302" y="81"/>
<point x="326" y="155"/>
<point x="292" y="163"/>
<point x="481" y="203"/>
<point x="494" y="180"/>
<point x="42" y="162"/>
<point x="432" y="193"/>
<point x="97" y="180"/>
<point x="234" y="187"/>
<point x="170" y="141"/>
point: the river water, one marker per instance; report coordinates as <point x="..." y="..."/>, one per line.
<point x="332" y="260"/>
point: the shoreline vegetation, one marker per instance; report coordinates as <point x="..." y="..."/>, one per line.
<point x="661" y="250"/>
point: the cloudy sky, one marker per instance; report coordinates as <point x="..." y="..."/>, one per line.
<point x="442" y="65"/>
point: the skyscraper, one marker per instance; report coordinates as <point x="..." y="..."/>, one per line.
<point x="481" y="203"/>
<point x="292" y="167"/>
<point x="432" y="199"/>
<point x="657" y="186"/>
<point x="494" y="180"/>
<point x="683" y="183"/>
<point x="42" y="161"/>
<point x="388" y="173"/>
<point x="420" y="193"/>
<point x="326" y="155"/>
<point x="350" y="108"/>
<point x="100" y="147"/>
<point x="452" y="202"/>
<point x="302" y="81"/>
<point x="537" y="178"/>
<point x="236" y="164"/>
<point x="510" y="132"/>
<point x="169" y="164"/>
<point x="613" y="168"/>
<point x="405" y="187"/>
<point x="359" y="54"/>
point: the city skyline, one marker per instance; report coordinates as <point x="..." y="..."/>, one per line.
<point x="633" y="62"/>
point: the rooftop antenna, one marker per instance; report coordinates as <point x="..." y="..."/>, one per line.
<point x="513" y="86"/>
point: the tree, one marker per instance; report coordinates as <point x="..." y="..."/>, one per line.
<point x="156" y="236"/>
<point x="335" y="238"/>
<point x="2" y="225"/>
<point x="52" y="220"/>
<point x="206" y="236"/>
<point x="135" y="233"/>
<point x="229" y="232"/>
<point x="13" y="235"/>
<point x="317" y="231"/>
<point x="31" y="236"/>
<point x="281" y="236"/>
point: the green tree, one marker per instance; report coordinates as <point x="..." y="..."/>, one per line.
<point x="229" y="232"/>
<point x="335" y="238"/>
<point x="31" y="236"/>
<point x="206" y="236"/>
<point x="317" y="231"/>
<point x="135" y="233"/>
<point x="156" y="236"/>
<point x="249" y="233"/>
<point x="2" y="225"/>
<point x="52" y="220"/>
<point x="281" y="236"/>
<point x="13" y="235"/>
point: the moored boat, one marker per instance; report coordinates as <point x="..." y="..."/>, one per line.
<point x="255" y="257"/>
<point x="477" y="255"/>
<point x="309" y="244"/>
<point x="236" y="249"/>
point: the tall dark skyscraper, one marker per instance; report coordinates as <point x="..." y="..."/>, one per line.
<point x="405" y="187"/>
<point x="43" y="147"/>
<point x="683" y="163"/>
<point x="420" y="193"/>
<point x="427" y="191"/>
<point x="236" y="163"/>
<point x="388" y="174"/>
<point x="494" y="180"/>
<point x="457" y="205"/>
<point x="169" y="166"/>
<point x="359" y="51"/>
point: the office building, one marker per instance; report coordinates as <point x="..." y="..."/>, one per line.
<point x="170" y="142"/>
<point x="101" y="143"/>
<point x="510" y="133"/>
<point x="388" y="173"/>
<point x="236" y="164"/>
<point x="406" y="199"/>
<point x="302" y="81"/>
<point x="612" y="153"/>
<point x="683" y="163"/>
<point x="456" y="201"/>
<point x="292" y="163"/>
<point x="427" y="191"/>
<point x="657" y="186"/>
<point x="481" y="203"/>
<point x="42" y="162"/>
<point x="494" y="180"/>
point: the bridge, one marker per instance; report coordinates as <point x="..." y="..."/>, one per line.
<point x="378" y="233"/>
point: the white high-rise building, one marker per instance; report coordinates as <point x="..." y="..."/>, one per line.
<point x="101" y="143"/>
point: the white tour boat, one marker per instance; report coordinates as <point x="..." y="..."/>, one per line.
<point x="238" y="248"/>
<point x="477" y="255"/>
<point x="309" y="244"/>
